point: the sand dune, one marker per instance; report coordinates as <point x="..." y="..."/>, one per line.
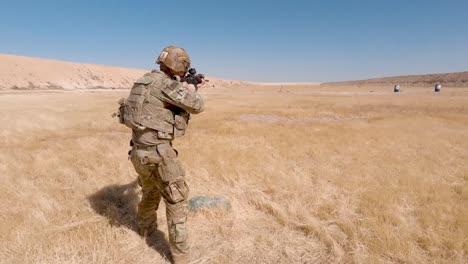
<point x="18" y="72"/>
<point x="28" y="73"/>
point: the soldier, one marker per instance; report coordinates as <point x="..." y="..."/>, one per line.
<point x="158" y="110"/>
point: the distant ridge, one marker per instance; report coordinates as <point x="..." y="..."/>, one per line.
<point x="455" y="79"/>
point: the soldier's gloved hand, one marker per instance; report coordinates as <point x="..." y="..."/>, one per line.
<point x="192" y="87"/>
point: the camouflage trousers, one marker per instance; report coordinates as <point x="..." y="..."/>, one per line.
<point x="162" y="175"/>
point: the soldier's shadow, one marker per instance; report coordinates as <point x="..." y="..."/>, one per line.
<point x="118" y="203"/>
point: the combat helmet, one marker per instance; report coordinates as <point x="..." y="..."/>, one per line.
<point x="174" y="58"/>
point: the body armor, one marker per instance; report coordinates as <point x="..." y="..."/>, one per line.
<point x="160" y="104"/>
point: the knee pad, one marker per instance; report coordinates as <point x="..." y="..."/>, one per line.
<point x="176" y="191"/>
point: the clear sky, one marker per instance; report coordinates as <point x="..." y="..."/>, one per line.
<point x="268" y="41"/>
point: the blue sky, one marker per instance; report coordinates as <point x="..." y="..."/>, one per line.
<point x="268" y="41"/>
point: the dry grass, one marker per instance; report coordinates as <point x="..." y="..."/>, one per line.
<point x="389" y="188"/>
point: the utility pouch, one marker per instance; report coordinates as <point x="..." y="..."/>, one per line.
<point x="181" y="123"/>
<point x="170" y="169"/>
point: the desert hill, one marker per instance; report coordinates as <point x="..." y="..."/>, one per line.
<point x="455" y="79"/>
<point x="27" y="73"/>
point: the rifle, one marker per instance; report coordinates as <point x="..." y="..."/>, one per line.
<point x="191" y="78"/>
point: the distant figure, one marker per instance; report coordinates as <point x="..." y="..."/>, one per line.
<point x="437" y="88"/>
<point x="396" y="89"/>
<point x="158" y="110"/>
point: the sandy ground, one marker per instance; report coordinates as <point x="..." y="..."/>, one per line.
<point x="313" y="175"/>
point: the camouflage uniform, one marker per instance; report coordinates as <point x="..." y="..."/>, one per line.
<point x="158" y="110"/>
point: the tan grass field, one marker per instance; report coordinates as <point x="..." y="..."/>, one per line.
<point x="313" y="177"/>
